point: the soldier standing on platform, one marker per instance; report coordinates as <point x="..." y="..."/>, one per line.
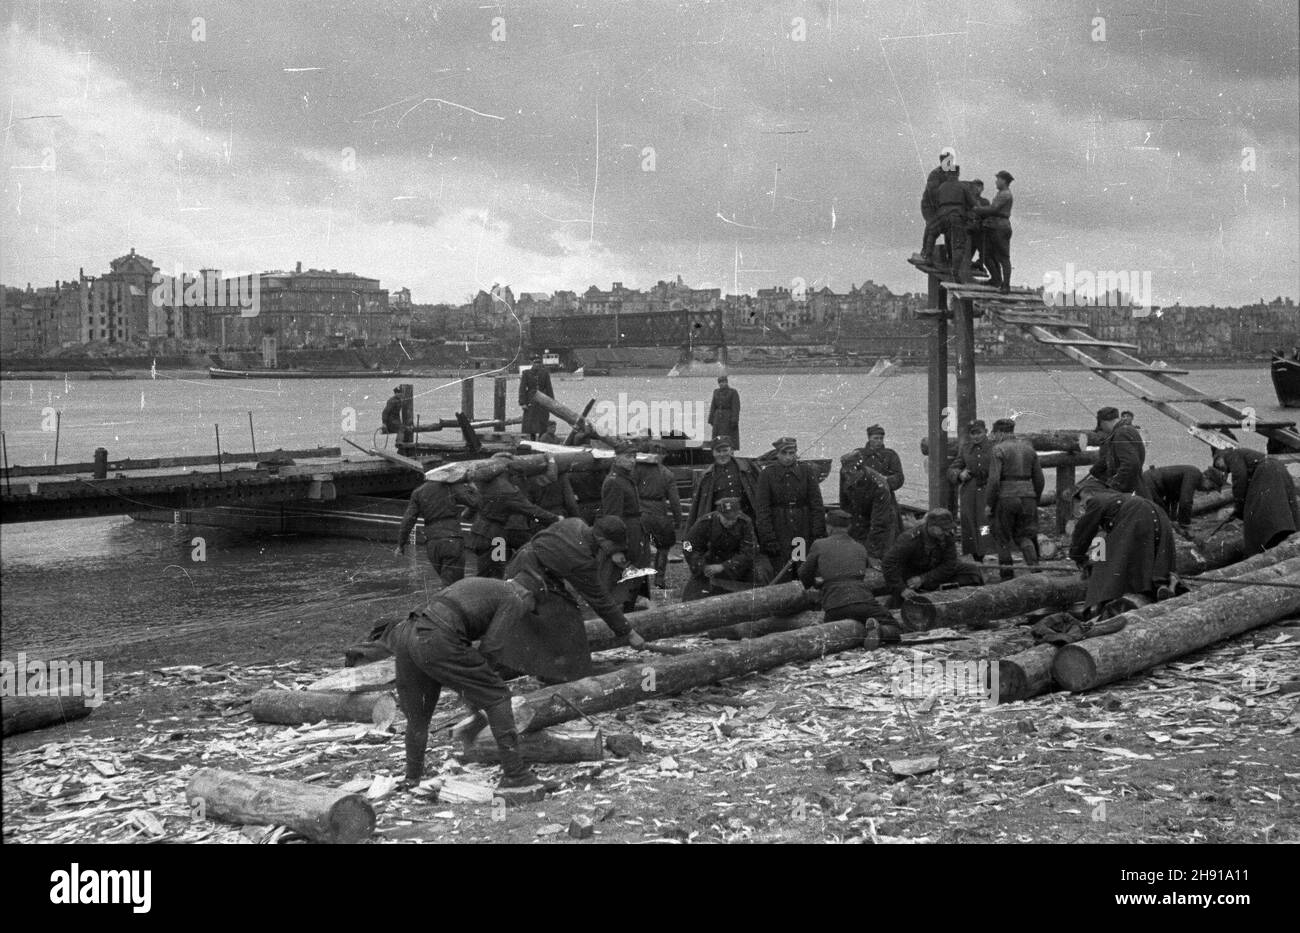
<point x="997" y="234"/>
<point x="535" y="379"/>
<point x="392" y="416"/>
<point x="724" y="413"/>
<point x="929" y="206"/>
<point x="969" y="473"/>
<point x="1015" y="485"/>
<point x="791" y="514"/>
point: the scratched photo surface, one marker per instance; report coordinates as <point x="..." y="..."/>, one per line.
<point x="233" y="230"/>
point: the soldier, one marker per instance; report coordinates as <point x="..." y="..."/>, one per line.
<point x="434" y="649"/>
<point x="925" y="558"/>
<point x="790" y="509"/>
<point x="975" y="226"/>
<point x="841" y="563"/>
<point x="954" y="205"/>
<point x="969" y="473"/>
<point x="720" y="546"/>
<point x="569" y="552"/>
<point x="551" y="436"/>
<point x="1014" y="488"/>
<point x="728" y="477"/>
<point x="619" y="498"/>
<point x="535" y="379"/>
<point x="661" y="508"/>
<point x="929" y="207"/>
<point x="724" y="413"/>
<point x="586" y="486"/>
<point x="552" y="493"/>
<point x="1263" y="494"/>
<point x="883" y="460"/>
<point x="996" y="219"/>
<point x="490" y="537"/>
<point x="392" y="416"/>
<point x="441" y="501"/>
<point x="866" y="497"/>
<point x="1121" y="454"/>
<point x="1135" y="556"/>
<point x="1173" y="488"/>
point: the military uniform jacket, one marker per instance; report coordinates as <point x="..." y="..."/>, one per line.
<point x="440" y="505"/>
<point x="568" y="552"/>
<point x="884" y="461"/>
<point x="1120" y="459"/>
<point x="707" y="489"/>
<point x="841" y="562"/>
<point x="789" y="504"/>
<point x="711" y="542"/>
<point x="657" y="489"/>
<point x="502" y="505"/>
<point x="916" y="552"/>
<point x="1014" y="472"/>
<point x="618" y="497"/>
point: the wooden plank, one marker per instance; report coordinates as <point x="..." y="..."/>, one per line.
<point x="1236" y="425"/>
<point x="1187" y="399"/>
<point x="1079" y="342"/>
<point x="1155" y="370"/>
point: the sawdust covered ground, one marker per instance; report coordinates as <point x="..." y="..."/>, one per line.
<point x="1202" y="750"/>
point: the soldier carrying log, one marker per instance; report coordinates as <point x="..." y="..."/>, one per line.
<point x="441" y="501"/>
<point x="491" y="536"/>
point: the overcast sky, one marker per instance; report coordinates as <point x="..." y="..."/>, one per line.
<point x="449" y="146"/>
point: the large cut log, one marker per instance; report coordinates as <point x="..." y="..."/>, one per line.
<point x="1025" y="674"/>
<point x="977" y="605"/>
<point x="1195" y="623"/>
<point x="760" y="627"/>
<point x="24" y="714"/>
<point x="1203" y="504"/>
<point x="701" y="615"/>
<point x="293" y="707"/>
<point x="548" y="745"/>
<point x="664" y="676"/>
<point x="322" y="814"/>
<point x="566" y="414"/>
<point x="1224" y="548"/>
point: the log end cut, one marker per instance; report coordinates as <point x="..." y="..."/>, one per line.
<point x="1074" y="668"/>
<point x="351" y="820"/>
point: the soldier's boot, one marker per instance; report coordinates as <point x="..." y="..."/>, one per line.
<point x="1006" y="571"/>
<point x="467" y="731"/>
<point x="1029" y="549"/>
<point x="514" y="772"/>
<point x="661" y="568"/>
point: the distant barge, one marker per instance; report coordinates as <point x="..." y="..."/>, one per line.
<point x="216" y="373"/>
<point x="1286" y="381"/>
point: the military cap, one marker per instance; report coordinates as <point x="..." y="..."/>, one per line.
<point x="1109" y="413"/>
<point x="976" y="425"/>
<point x="875" y="429"/>
<point x="1004" y="426"/>
<point x="838" y="518"/>
<point x="728" y="505"/>
<point x="785" y="443"/>
<point x="1007" y="175"/>
<point x="941" y="517"/>
<point x="722" y="441"/>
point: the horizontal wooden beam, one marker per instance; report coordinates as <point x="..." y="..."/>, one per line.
<point x="1079" y="342"/>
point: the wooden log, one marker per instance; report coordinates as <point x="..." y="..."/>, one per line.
<point x="937" y="397"/>
<point x="757" y="628"/>
<point x="665" y="676"/>
<point x="976" y="605"/>
<point x="701" y="615"/>
<point x="294" y="707"/>
<point x="566" y="414"/>
<point x="322" y="814"/>
<point x="27" y="713"/>
<point x="1224" y="548"/>
<point x="1195" y="623"/>
<point x="1042" y="441"/>
<point x="377" y="676"/>
<point x="548" y="745"/>
<point x="1025" y="674"/>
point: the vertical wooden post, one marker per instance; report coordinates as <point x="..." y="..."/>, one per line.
<point x="963" y="316"/>
<point x="1064" y="505"/>
<point x="938" y="399"/>
<point x="467" y="398"/>
<point x="499" y="403"/>
<point x="408" y="413"/>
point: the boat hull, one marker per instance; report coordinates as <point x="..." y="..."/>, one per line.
<point x="1286" y="382"/>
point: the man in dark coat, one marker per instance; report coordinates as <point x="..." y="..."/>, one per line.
<point x="728" y="477"/>
<point x="490" y="536"/>
<point x="535" y="379"/>
<point x="929" y="206"/>
<point x="572" y="552"/>
<point x="791" y="515"/>
<point x="878" y="457"/>
<point x="1264" y="497"/>
<point x="720" y="546"/>
<point x="661" y="508"/>
<point x="1173" y="488"/>
<point x="434" y="649"/>
<point x="1121" y="455"/>
<point x="974" y="225"/>
<point x="1124" y="544"/>
<point x="841" y="563"/>
<point x="441" y="504"/>
<point x="969" y="473"/>
<point x="996" y="229"/>
<point x="1014" y="489"/>
<point x="724" y="413"/>
<point x="955" y="204"/>
<point x="873" y="514"/>
<point x="392" y="416"/>
<point x="619" y="498"/>
<point x="925" y="558"/>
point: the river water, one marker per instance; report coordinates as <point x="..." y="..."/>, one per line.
<point x="113" y="575"/>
